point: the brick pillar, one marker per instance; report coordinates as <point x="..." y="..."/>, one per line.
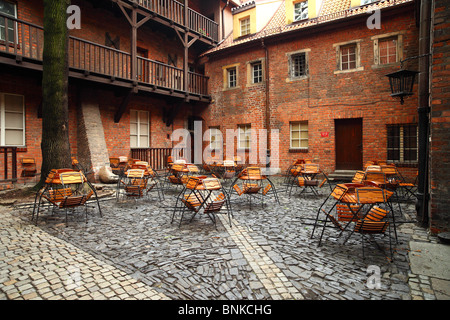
<point x="92" y="150"/>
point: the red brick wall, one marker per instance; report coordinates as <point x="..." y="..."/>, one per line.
<point x="440" y="120"/>
<point x="323" y="96"/>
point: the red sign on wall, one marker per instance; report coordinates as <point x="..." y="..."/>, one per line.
<point x="324" y="134"/>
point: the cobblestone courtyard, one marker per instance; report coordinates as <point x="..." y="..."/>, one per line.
<point x="134" y="252"/>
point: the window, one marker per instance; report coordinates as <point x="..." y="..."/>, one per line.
<point x="363" y="2"/>
<point x="139" y="129"/>
<point x="232" y="77"/>
<point x="8" y="9"/>
<point x="348" y="57"/>
<point x="298" y="66"/>
<point x="387" y="50"/>
<point x="244" y="131"/>
<point x="245" y="26"/>
<point x="301" y="11"/>
<point x="257" y="72"/>
<point x="402" y="143"/>
<point x="215" y="138"/>
<point x="299" y="135"/>
<point x="12" y="120"/>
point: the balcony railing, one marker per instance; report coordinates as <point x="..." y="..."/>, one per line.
<point x="26" y="40"/>
<point x="174" y="11"/>
<point x="157" y="157"/>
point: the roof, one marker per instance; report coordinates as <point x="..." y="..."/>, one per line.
<point x="331" y="10"/>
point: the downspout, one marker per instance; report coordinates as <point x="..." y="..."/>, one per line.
<point x="223" y="19"/>
<point x="424" y="111"/>
<point x="267" y="104"/>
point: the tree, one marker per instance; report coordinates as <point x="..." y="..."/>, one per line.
<point x="55" y="144"/>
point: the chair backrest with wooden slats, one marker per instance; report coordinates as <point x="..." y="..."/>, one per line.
<point x="254" y="173"/>
<point x="192" y="168"/>
<point x="192" y="183"/>
<point x="370" y="195"/>
<point x="74" y="177"/>
<point x="375" y="176"/>
<point x="212" y="184"/>
<point x="344" y="213"/>
<point x="371" y="227"/>
<point x="358" y="177"/>
<point x="135" y="173"/>
<point x="311" y="167"/>
<point x="29" y="167"/>
<point x="375" y="168"/>
<point x="376" y="214"/>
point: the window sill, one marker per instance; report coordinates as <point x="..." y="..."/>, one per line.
<point x="291" y="150"/>
<point x="385" y="65"/>
<point x="348" y="71"/>
<point x="288" y="80"/>
<point x="404" y="164"/>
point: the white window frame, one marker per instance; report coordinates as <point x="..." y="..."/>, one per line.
<point x="245" y="130"/>
<point x="7" y="27"/>
<point x="3" y="126"/>
<point x="244" y="26"/>
<point x="376" y="49"/>
<point x="257" y="73"/>
<point x="215" y="138"/>
<point x="339" y="46"/>
<point x="303" y="127"/>
<point x="232" y="80"/>
<point x="138" y="129"/>
<point x="301" y="10"/>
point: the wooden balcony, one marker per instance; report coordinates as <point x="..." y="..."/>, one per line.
<point x="23" y="46"/>
<point x="173" y="11"/>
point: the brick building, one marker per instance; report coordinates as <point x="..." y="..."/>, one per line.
<point x="312" y="72"/>
<point x="134" y="75"/>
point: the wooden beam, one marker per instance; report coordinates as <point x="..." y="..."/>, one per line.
<point x="123" y="106"/>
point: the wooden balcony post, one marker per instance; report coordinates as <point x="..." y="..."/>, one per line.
<point x="134" y="45"/>
<point x="186" y="49"/>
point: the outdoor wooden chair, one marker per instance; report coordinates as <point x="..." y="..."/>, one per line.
<point x="358" y="177"/>
<point x="370" y="228"/>
<point x="134" y="183"/>
<point x="66" y="189"/>
<point x="306" y="178"/>
<point x="216" y="200"/>
<point x="28" y="167"/>
<point x="189" y="199"/>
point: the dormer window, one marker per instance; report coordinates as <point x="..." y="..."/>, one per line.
<point x="245" y="26"/>
<point x="364" y="2"/>
<point x="301" y="10"/>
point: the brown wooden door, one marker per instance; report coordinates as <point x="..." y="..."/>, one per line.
<point x="348" y="144"/>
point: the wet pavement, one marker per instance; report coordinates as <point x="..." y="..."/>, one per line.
<point x="134" y="252"/>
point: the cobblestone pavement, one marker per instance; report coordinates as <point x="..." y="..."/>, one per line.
<point x="134" y="252"/>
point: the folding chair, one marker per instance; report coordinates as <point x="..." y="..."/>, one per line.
<point x="306" y="178"/>
<point x="66" y="190"/>
<point x="251" y="184"/>
<point x="134" y="183"/>
<point x="190" y="198"/>
<point x="215" y="200"/>
<point x="343" y="194"/>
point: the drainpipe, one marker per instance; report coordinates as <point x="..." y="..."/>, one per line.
<point x="267" y="109"/>
<point x="423" y="111"/>
<point x="223" y="20"/>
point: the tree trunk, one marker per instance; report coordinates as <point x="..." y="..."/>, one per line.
<point x="55" y="144"/>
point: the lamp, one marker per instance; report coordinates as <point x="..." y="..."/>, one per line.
<point x="401" y="83"/>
